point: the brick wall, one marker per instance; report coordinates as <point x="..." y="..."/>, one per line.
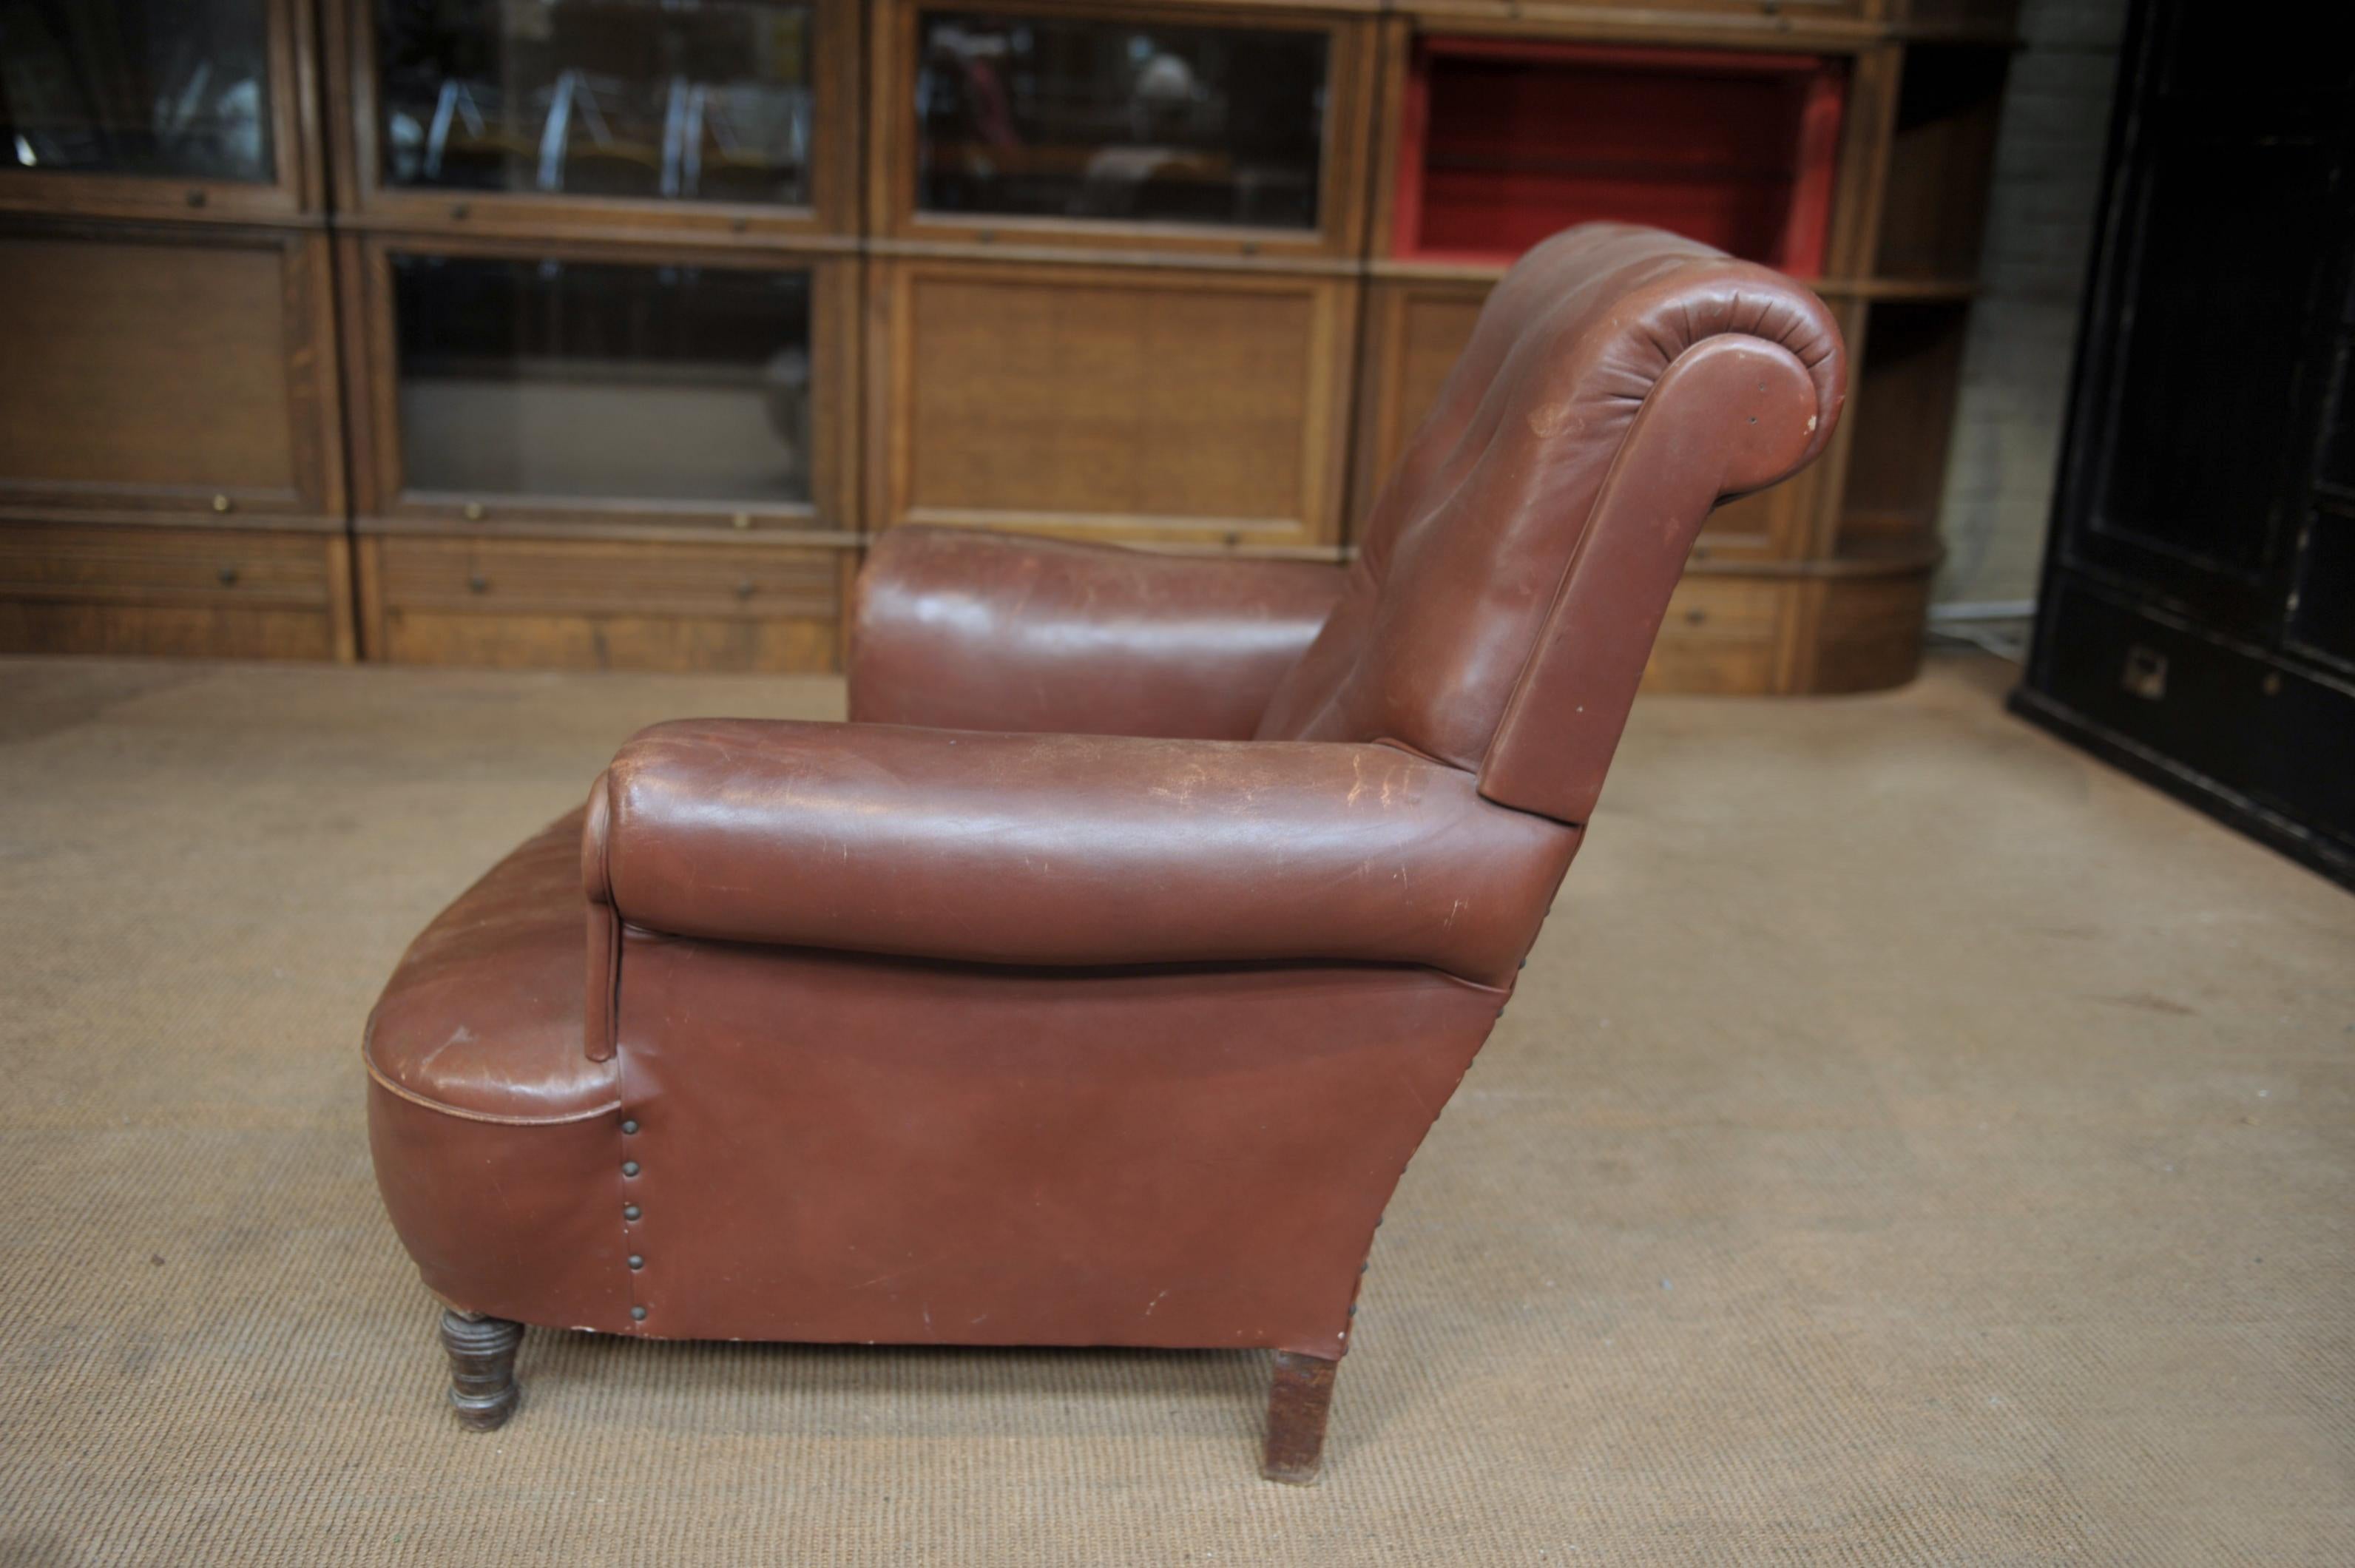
<point x="2015" y="391"/>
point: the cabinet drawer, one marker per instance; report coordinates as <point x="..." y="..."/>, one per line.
<point x="143" y="566"/>
<point x="1720" y="636"/>
<point x="199" y="592"/>
<point x="509" y="576"/>
<point x="596" y="604"/>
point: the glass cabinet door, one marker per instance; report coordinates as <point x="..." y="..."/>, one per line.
<point x="164" y="89"/>
<point x="1114" y="120"/>
<point x="602" y="381"/>
<point x="637" y="98"/>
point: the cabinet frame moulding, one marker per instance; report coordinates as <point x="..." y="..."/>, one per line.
<point x="382" y="504"/>
<point x="893" y="136"/>
<point x="314" y="501"/>
<point x="295" y="195"/>
<point x="365" y="202"/>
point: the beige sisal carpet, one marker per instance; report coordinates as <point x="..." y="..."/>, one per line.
<point x="1913" y="1143"/>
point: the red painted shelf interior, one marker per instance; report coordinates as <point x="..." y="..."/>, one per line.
<point x="1507" y="141"/>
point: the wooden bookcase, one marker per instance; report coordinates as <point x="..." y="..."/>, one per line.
<point x="613" y="334"/>
<point x="171" y="454"/>
<point x="599" y="289"/>
<point x="1848" y="143"/>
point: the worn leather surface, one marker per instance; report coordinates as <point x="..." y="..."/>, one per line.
<point x="1088" y="1022"/>
<point x="970" y="630"/>
<point x="1070" y="849"/>
<point x="1466" y="555"/>
<point x="832" y="1147"/>
<point x="484" y="1015"/>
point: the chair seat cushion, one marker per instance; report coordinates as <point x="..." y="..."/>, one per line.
<point x="482" y="1019"/>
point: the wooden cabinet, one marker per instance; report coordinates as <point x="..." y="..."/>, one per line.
<point x="609" y="331"/>
<point x="579" y="395"/>
<point x="1854" y="154"/>
<point x="599" y="291"/>
<point x="171" y="453"/>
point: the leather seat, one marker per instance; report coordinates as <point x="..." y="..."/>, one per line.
<point x="481" y="1019"/>
<point x="1095" y="984"/>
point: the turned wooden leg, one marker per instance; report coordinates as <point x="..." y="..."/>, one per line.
<point x="482" y="1367"/>
<point x="1297" y="1403"/>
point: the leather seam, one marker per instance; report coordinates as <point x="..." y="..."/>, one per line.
<point x="375" y="1076"/>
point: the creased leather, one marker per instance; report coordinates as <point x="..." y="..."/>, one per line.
<point x="1465" y="551"/>
<point x="969" y="630"/>
<point x="1071" y="848"/>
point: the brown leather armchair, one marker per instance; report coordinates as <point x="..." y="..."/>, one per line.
<point x="1093" y="984"/>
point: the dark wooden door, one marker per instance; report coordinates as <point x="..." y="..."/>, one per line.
<point x="2197" y="619"/>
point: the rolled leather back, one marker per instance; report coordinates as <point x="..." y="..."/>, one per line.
<point x="1506" y="593"/>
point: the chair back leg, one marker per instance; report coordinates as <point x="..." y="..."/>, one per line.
<point x="1299" y="1398"/>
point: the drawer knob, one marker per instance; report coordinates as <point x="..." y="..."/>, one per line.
<point x="745" y="589"/>
<point x="478" y="583"/>
<point x="741" y="520"/>
<point x="228" y="574"/>
<point x="1695" y="615"/>
<point x="473" y="511"/>
<point x="222" y="502"/>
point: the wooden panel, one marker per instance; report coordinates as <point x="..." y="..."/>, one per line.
<point x="217" y="593"/>
<point x="1867" y="632"/>
<point x="598" y="604"/>
<point x="1900" y="420"/>
<point x="155" y="371"/>
<point x="1720" y="636"/>
<point x="1148" y="405"/>
<point x="135" y="364"/>
<point x="1941" y="158"/>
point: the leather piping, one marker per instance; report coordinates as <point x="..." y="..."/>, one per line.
<point x="414" y="1098"/>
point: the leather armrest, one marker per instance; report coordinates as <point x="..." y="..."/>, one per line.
<point x="1067" y="849"/>
<point x="969" y="630"/>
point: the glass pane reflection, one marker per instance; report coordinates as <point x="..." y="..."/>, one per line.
<point x="702" y="102"/>
<point x="167" y="88"/>
<point x="568" y="378"/>
<point x="1066" y="117"/>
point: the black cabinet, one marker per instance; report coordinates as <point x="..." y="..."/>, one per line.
<point x="2196" y="625"/>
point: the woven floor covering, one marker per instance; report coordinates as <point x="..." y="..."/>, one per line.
<point x="1912" y="1142"/>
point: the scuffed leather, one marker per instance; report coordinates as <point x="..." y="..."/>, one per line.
<point x="969" y="630"/>
<point x="1070" y="849"/>
<point x="1465" y="555"/>
<point x="841" y="1149"/>
<point x="484" y="1015"/>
